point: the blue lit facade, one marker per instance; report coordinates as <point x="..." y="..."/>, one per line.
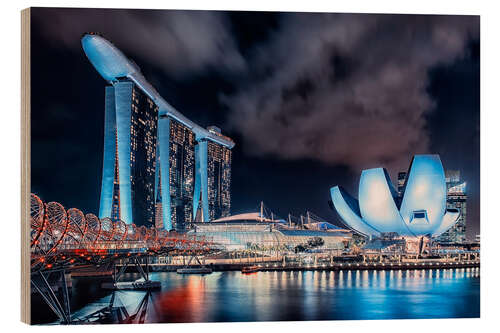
<point x="109" y="194"/>
<point x="419" y="210"/>
<point x="377" y="202"/>
<point x="129" y="164"/>
<point x="180" y="170"/>
<point x="348" y="209"/>
<point x="212" y="190"/>
<point x="163" y="173"/>
<point x="218" y="180"/>
<point x="424" y="195"/>
<point x="200" y="198"/>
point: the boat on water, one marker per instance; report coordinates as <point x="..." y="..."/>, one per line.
<point x="194" y="270"/>
<point x="139" y="284"/>
<point x="250" y="269"/>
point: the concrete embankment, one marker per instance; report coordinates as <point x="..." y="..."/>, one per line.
<point x="278" y="266"/>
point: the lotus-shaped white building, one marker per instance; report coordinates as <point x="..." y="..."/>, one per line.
<point x="419" y="211"/>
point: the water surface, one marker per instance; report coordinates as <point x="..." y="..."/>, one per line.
<point x="310" y="295"/>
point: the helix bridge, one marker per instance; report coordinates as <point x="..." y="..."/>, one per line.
<point x="64" y="241"/>
<point x="68" y="238"/>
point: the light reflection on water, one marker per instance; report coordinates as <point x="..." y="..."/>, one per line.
<point x="309" y="295"/>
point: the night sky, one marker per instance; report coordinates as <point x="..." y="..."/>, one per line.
<point x="309" y="99"/>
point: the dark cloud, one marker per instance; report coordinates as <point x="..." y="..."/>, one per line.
<point x="338" y="88"/>
<point x="345" y="89"/>
<point x="179" y="42"/>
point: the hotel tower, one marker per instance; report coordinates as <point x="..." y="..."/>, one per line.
<point x="159" y="168"/>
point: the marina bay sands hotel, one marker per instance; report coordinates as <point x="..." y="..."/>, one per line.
<point x="159" y="168"/>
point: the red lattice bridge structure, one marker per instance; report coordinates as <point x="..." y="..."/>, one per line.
<point x="61" y="237"/>
<point x="68" y="241"/>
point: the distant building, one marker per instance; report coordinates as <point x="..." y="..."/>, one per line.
<point x="452" y="176"/>
<point x="401" y="183"/>
<point x="456" y="198"/>
<point x="129" y="164"/>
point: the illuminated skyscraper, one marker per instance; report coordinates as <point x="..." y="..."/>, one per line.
<point x="157" y="162"/>
<point x="181" y="181"/>
<point x="129" y="164"/>
<point x="219" y="181"/>
<point x="456" y="197"/>
<point x="212" y="196"/>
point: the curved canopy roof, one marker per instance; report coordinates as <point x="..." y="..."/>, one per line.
<point x="245" y="217"/>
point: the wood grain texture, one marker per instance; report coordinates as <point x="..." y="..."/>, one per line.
<point x="25" y="165"/>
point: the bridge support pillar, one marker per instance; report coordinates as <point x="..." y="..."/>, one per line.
<point x="42" y="286"/>
<point x="138" y="263"/>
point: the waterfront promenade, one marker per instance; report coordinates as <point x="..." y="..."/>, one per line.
<point x="280" y="263"/>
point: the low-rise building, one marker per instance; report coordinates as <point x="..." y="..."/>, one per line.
<point x="251" y="231"/>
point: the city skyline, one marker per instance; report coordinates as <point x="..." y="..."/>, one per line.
<point x="320" y="166"/>
<point x="284" y="180"/>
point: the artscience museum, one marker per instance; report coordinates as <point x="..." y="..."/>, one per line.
<point x="418" y="210"/>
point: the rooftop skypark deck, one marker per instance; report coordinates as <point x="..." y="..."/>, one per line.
<point x="112" y="64"/>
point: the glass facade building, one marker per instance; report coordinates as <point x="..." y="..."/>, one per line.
<point x="129" y="164"/>
<point x="159" y="168"/>
<point x="219" y="181"/>
<point x="212" y="192"/>
<point x="181" y="178"/>
<point x="457" y="198"/>
<point x="235" y="235"/>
